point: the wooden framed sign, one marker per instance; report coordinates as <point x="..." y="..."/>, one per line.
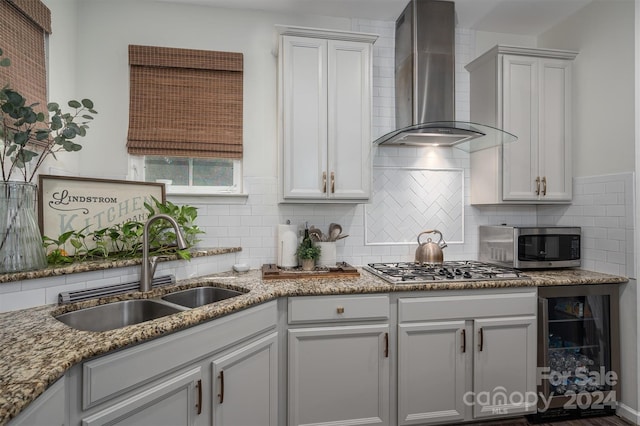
<point x="73" y="203"/>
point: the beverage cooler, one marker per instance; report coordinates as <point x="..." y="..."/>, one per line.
<point x="578" y="351"/>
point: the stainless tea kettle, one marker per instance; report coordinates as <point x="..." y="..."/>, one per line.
<point x="429" y="252"/>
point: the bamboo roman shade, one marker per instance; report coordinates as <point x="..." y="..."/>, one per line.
<point x="185" y="103"/>
<point x="23" y="26"/>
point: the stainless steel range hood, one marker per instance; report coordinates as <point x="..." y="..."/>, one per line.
<point x="425" y="83"/>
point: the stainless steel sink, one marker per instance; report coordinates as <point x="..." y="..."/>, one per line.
<point x="199" y="296"/>
<point x="117" y="314"/>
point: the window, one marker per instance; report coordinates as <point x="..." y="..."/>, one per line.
<point x="185" y="118"/>
<point x="190" y="175"/>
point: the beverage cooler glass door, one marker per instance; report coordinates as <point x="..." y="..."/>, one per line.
<point x="578" y="346"/>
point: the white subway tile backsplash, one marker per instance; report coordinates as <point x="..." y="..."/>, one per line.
<point x="604" y="207"/>
<point x="43" y="283"/>
<point x="22" y="299"/>
<point x="594" y="188"/>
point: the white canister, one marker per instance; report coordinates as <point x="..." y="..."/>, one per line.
<point x="287" y="246"/>
<point x="327" y="253"/>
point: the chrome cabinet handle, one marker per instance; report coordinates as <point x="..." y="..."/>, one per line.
<point x="544" y="185"/>
<point x="324" y="182"/>
<point x="538" y="185"/>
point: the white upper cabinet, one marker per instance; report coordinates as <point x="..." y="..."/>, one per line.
<point x="324" y="93"/>
<point x="527" y="92"/>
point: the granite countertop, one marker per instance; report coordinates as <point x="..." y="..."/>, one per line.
<point x="36" y="349"/>
<point x="98" y="265"/>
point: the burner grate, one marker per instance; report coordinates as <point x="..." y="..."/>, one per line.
<point x="408" y="272"/>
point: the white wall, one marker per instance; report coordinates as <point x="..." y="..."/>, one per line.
<point x="485" y="40"/>
<point x="603" y="96"/>
<point x="62" y="70"/>
<point x="106" y="28"/>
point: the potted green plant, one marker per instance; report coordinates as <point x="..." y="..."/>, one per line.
<point x="308" y="254"/>
<point x="27" y="138"/>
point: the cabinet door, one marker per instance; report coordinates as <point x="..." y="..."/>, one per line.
<point x="504" y="366"/>
<point x="304" y="109"/>
<point x="555" y="129"/>
<point x="349" y="118"/>
<point x="246" y="385"/>
<point x="49" y="409"/>
<point x="339" y="375"/>
<point x="432" y="360"/>
<point x="175" y="401"/>
<point x="520" y="117"/>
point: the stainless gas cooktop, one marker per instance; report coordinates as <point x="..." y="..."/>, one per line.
<point x="463" y="270"/>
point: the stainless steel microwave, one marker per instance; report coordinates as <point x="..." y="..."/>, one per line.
<point x="530" y="247"/>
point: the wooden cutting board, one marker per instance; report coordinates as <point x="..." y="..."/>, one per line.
<point x="270" y="271"/>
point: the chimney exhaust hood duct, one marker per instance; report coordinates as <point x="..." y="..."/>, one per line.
<point x="425" y="83"/>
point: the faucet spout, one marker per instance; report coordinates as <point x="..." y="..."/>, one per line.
<point x="149" y="265"/>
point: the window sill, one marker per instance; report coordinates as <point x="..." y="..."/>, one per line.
<point x="213" y="198"/>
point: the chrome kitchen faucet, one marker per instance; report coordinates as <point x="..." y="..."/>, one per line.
<point x="149" y="264"/>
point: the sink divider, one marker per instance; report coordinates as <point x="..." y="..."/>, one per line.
<point x="109" y="290"/>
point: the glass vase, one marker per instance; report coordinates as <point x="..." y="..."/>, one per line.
<point x="20" y="241"/>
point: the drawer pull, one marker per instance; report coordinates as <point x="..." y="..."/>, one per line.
<point x="221" y="394"/>
<point x="340" y="310"/>
<point x="481" y="340"/>
<point x="464" y="340"/>
<point x="199" y="404"/>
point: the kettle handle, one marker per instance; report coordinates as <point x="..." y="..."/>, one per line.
<point x="430" y="231"/>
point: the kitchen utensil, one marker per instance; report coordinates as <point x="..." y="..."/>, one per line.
<point x="341" y="236"/>
<point x="430" y="252"/>
<point x="316" y="234"/>
<point x="334" y="231"/>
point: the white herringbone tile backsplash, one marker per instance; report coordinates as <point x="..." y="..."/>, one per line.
<point x="407" y="201"/>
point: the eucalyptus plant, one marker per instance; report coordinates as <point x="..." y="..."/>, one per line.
<point x="22" y="124"/>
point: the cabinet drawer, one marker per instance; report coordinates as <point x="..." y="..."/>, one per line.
<point x="114" y="374"/>
<point x="338" y="308"/>
<point x="472" y="306"/>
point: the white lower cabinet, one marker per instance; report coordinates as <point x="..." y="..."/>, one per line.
<point x="338" y="372"/>
<point x="246" y="385"/>
<point x="432" y="372"/>
<point x="48" y="410"/>
<point x="173" y="380"/>
<point x="504" y="366"/>
<point x="173" y="401"/>
<point x="462" y="358"/>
